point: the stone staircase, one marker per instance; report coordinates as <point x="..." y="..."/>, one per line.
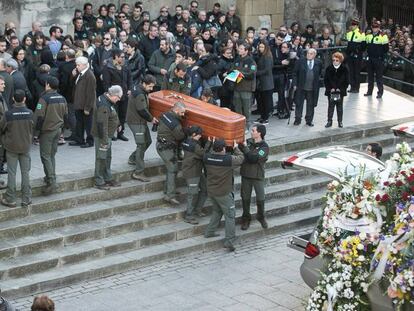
<point x="83" y="233"/>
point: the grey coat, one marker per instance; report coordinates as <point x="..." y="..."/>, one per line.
<point x="264" y="76"/>
<point x="158" y="61"/>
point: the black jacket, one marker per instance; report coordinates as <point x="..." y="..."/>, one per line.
<point x="264" y="76"/>
<point x="148" y="47"/>
<point x="66" y="81"/>
<point x="137" y="66"/>
<point x="336" y="79"/>
<point x="113" y="76"/>
<point x="207" y="66"/>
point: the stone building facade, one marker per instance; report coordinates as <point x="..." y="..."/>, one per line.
<point x="257" y="13"/>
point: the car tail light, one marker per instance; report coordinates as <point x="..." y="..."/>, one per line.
<point x="289" y="161"/>
<point x="311" y="250"/>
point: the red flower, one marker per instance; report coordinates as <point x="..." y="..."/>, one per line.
<point x="399" y="183"/>
<point x="386" y="183"/>
<point x="410" y="178"/>
<point x="385" y="198"/>
<point x="405" y="196"/>
<point x="412" y="189"/>
<point x="378" y="197"/>
<point x="404" y="173"/>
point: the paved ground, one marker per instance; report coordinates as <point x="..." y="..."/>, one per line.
<point x="263" y="274"/>
<point x="357" y="110"/>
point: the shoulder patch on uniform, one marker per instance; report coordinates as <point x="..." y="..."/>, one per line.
<point x="39" y="106"/>
<point x="253" y="67"/>
<point x="261" y="153"/>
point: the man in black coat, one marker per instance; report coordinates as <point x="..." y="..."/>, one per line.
<point x="66" y="86"/>
<point x="150" y="43"/>
<point x="116" y="72"/>
<point x="9" y="90"/>
<point x="306" y="83"/>
<point x="19" y="81"/>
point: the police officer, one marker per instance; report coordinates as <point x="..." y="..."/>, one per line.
<point x="193" y="173"/>
<point x="243" y="91"/>
<point x="354" y="50"/>
<point x="377" y="47"/>
<point x="170" y="135"/>
<point x="137" y="117"/>
<point x="178" y="80"/>
<point x="16" y="127"/>
<point x="49" y="117"/>
<point x="252" y="172"/>
<point x="105" y="122"/>
<point x="219" y="166"/>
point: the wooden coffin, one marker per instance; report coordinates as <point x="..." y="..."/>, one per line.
<point x="215" y="121"/>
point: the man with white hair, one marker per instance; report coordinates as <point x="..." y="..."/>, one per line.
<point x="232" y="20"/>
<point x="84" y="97"/>
<point x="306" y="83"/>
<point x="36" y="27"/>
<point x="105" y="122"/>
<point x="19" y="81"/>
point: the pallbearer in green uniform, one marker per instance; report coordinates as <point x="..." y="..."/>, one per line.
<point x="178" y="80"/>
<point x="49" y="117"/>
<point x="137" y="117"/>
<point x="16" y="126"/>
<point x="252" y="171"/>
<point x="220" y="166"/>
<point x="170" y="135"/>
<point x="105" y="122"/>
<point x="193" y="173"/>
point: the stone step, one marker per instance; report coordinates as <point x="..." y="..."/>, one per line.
<point x="95" y="268"/>
<point x="143" y="237"/>
<point x="351" y="135"/>
<point x="85" y="227"/>
<point x="58" y="203"/>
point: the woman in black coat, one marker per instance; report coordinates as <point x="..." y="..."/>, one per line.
<point x="264" y="82"/>
<point x="336" y="83"/>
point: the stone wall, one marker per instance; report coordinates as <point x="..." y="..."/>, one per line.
<point x="318" y="13"/>
<point x="261" y="13"/>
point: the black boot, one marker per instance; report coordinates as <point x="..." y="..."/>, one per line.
<point x="328" y="124"/>
<point x="246" y="217"/>
<point x="2" y="169"/>
<point x="260" y="214"/>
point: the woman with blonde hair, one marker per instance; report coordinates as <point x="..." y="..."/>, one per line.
<point x="336" y="83"/>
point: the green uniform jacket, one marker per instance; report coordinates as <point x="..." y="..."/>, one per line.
<point x="176" y="84"/>
<point x="170" y="129"/>
<point x="219" y="169"/>
<point x="247" y="66"/>
<point x="105" y="120"/>
<point x="158" y="61"/>
<point x="377" y="45"/>
<point x="138" y="107"/>
<point x="16" y="126"/>
<point x="255" y="157"/>
<point x="193" y="158"/>
<point x="50" y="112"/>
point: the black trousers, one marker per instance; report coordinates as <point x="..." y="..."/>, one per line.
<point x="301" y="96"/>
<point x="83" y="124"/>
<point x="265" y="102"/>
<point x="121" y="109"/>
<point x="354" y="66"/>
<point x="226" y="98"/>
<point x="339" y="109"/>
<point x="279" y="81"/>
<point x="375" y="67"/>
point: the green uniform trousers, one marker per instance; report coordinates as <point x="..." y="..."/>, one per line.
<point x="24" y="161"/>
<point x="196" y="194"/>
<point x="103" y="158"/>
<point x="242" y="102"/>
<point x="247" y="185"/>
<point x="48" y="148"/>
<point x="223" y="205"/>
<point x="143" y="141"/>
<point x="169" y="156"/>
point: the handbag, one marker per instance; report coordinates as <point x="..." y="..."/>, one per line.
<point x="335" y="96"/>
<point x="212" y="82"/>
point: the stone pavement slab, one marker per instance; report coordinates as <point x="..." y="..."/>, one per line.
<point x="263" y="274"/>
